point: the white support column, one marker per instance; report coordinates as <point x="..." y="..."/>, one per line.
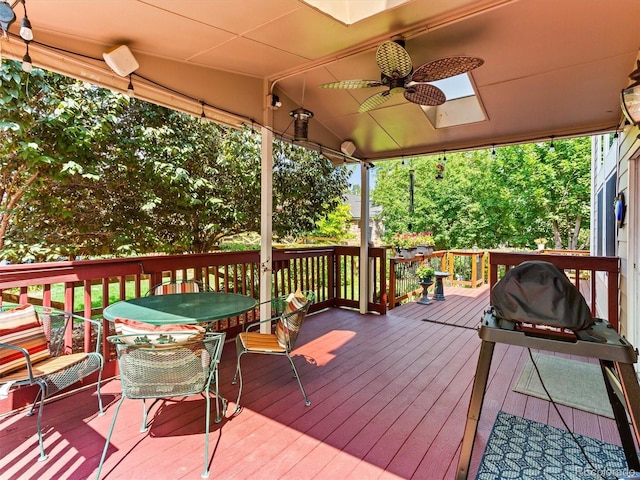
<point x="364" y="239"/>
<point x="266" y="214"/>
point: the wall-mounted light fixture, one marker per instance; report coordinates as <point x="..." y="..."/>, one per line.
<point x="552" y="147"/>
<point x="630" y="97"/>
<point x="275" y="102"/>
<point x="301" y="123"/>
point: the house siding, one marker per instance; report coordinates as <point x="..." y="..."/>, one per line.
<point x="619" y="161"/>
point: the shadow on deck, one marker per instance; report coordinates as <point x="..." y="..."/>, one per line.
<point x="389" y="401"/>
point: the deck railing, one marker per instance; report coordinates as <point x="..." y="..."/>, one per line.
<point x="465" y="268"/>
<point x="403" y="283"/>
<point x="87" y="287"/>
<point x="333" y="273"/>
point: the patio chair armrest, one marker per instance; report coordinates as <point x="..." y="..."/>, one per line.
<point x="57" y="340"/>
<point x="98" y="325"/>
<point x="249" y="326"/>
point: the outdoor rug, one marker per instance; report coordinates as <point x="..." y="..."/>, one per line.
<point x="522" y="449"/>
<point x="570" y="382"/>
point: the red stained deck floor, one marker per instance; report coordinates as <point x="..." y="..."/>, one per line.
<point x="389" y="400"/>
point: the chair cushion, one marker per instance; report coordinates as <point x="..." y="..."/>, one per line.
<point x="156" y="334"/>
<point x="261" y="342"/>
<point x="48" y="367"/>
<point x="177" y="287"/>
<point x="288" y="326"/>
<point x="21" y="327"/>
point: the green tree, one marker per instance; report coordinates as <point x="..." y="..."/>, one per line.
<point x="523" y="192"/>
<point x="335" y="225"/>
<point x="44" y="123"/>
<point x="132" y="177"/>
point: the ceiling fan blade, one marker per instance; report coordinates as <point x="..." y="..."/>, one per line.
<point x="350" y="84"/>
<point x="393" y="60"/>
<point x="374" y="101"/>
<point x="445" y="68"/>
<point x="425" y="94"/>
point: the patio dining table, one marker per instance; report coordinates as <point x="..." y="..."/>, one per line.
<point x="181" y="308"/>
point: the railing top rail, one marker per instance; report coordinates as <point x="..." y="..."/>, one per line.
<point x="606" y="264"/>
<point x="469" y="252"/>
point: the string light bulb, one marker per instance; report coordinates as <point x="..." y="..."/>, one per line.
<point x="203" y="116"/>
<point x="27" y="65"/>
<point x="25" y="26"/>
<point x="552" y="147"/>
<point x="130" y="91"/>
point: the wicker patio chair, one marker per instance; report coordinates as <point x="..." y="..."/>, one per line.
<point x="33" y="352"/>
<point x="153" y="367"/>
<point x="178" y="286"/>
<point x="288" y="314"/>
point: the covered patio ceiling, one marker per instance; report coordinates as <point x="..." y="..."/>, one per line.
<point x="551" y="68"/>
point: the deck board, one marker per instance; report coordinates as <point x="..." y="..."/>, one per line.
<point x="389" y="400"/>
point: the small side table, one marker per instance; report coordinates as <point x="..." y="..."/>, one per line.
<point x="438" y="291"/>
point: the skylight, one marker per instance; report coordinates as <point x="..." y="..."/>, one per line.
<point x="462" y="105"/>
<point x="350" y="11"/>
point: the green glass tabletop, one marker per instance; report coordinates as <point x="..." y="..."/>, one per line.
<point x="181" y="308"/>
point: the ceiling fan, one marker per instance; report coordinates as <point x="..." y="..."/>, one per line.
<point x="398" y="75"/>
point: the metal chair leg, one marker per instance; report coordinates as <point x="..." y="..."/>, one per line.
<point x="238" y="374"/>
<point x="307" y="402"/>
<point x="238" y="377"/>
<point x="101" y="413"/>
<point x="207" y="416"/>
<point x="41" y="395"/>
<point x="106" y="443"/>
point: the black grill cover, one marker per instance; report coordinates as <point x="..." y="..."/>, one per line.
<point x="538" y="292"/>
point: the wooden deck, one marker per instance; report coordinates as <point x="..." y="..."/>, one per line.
<point x="389" y="400"/>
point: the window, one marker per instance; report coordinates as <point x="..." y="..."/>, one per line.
<point x="610" y="217"/>
<point x="605" y="235"/>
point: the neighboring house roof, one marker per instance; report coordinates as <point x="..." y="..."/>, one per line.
<point x="355" y="202"/>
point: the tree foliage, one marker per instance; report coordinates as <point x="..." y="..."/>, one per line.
<point x="523" y="192"/>
<point x="122" y="176"/>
